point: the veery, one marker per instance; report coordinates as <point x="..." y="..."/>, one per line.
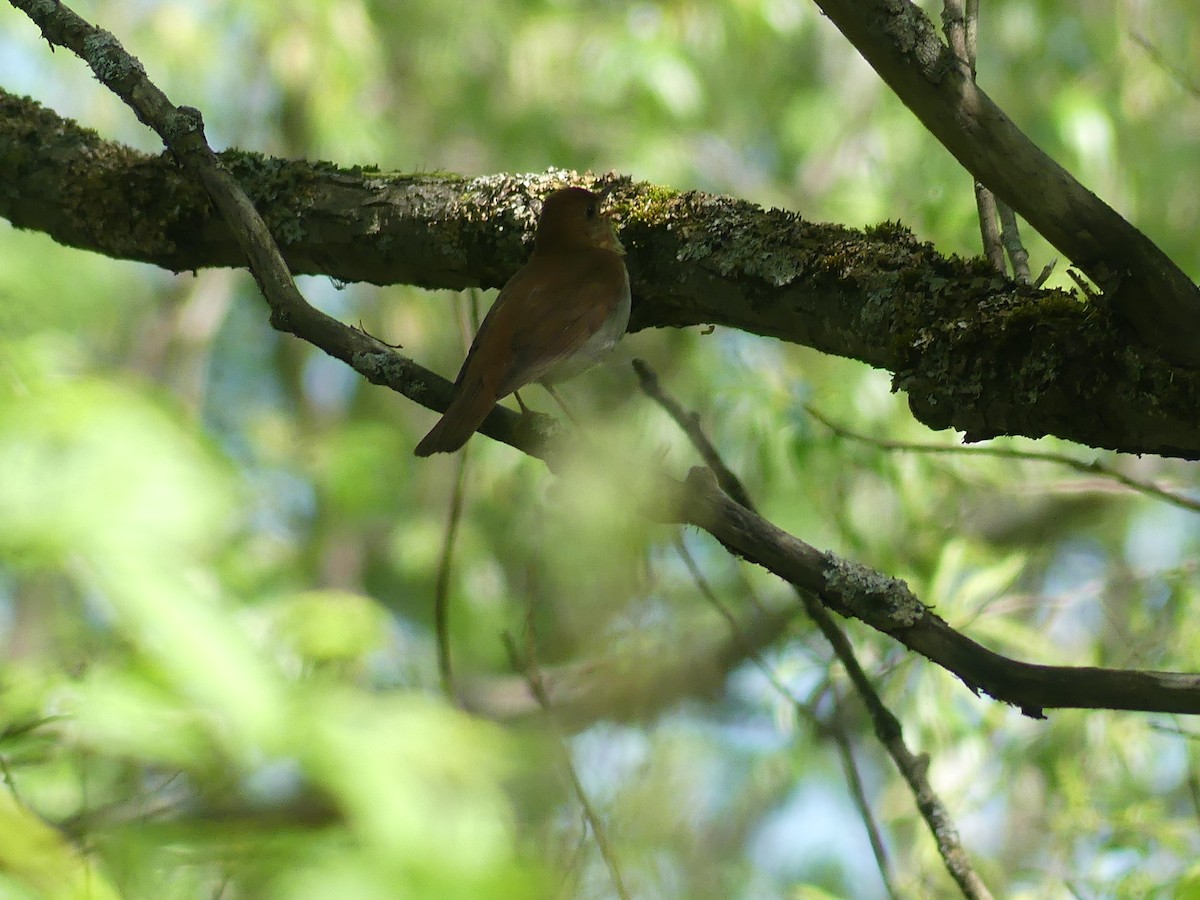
<point x="561" y="312"/>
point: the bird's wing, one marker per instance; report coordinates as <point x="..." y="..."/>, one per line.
<point x="546" y="313"/>
<point x="564" y="306"/>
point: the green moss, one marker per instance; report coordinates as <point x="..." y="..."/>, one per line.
<point x="278" y="188"/>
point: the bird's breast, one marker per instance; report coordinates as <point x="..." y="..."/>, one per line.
<point x="599" y="343"/>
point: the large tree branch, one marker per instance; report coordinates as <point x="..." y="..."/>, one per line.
<point x="972" y="349"/>
<point x="1141" y="282"/>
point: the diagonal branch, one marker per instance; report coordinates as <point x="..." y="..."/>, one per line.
<point x="1140" y="281"/>
<point x="887" y="605"/>
<point x="913" y="768"/>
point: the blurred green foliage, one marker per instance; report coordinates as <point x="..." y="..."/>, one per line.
<point x="217" y="555"/>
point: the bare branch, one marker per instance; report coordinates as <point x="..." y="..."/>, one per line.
<point x="989" y="227"/>
<point x="441" y="591"/>
<point x="689" y="423"/>
<point x="961" y="26"/>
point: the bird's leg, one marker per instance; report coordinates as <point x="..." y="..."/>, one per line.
<point x="559" y="400"/>
<point x="521" y="403"/>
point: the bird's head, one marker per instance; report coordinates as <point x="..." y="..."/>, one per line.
<point x="571" y="220"/>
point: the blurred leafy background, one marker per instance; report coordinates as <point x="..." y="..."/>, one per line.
<point x="217" y="554"/>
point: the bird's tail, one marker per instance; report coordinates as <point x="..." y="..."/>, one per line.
<point x="465" y="414"/>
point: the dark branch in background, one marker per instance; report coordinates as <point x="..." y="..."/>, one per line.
<point x="858" y="793"/>
<point x="830" y="725"/>
<point x="882" y="602"/>
<point x="1137" y="278"/>
<point x="833" y="727"/>
<point x="914" y="769"/>
<point x="972" y="349"/>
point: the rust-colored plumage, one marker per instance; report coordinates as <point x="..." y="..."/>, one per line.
<point x="555" y="317"/>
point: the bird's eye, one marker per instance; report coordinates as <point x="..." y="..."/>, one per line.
<point x="591" y="210"/>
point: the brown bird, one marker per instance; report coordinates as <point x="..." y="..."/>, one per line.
<point x="561" y="312"/>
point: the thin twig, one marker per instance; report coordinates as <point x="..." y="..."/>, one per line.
<point x="561" y="403"/>
<point x="528" y="665"/>
<point x="1010" y="236"/>
<point x="1177" y="74"/>
<point x="441" y="591"/>
<point x="972" y="26"/>
<point x="1094" y="467"/>
<point x="735" y="628"/>
<point x="962" y="32"/>
<point x="690" y="424"/>
<point x="859" y="794"/>
<point x="989" y="227"/>
<point x="965" y="41"/>
<point x="569" y="885"/>
<point x="1047" y="269"/>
